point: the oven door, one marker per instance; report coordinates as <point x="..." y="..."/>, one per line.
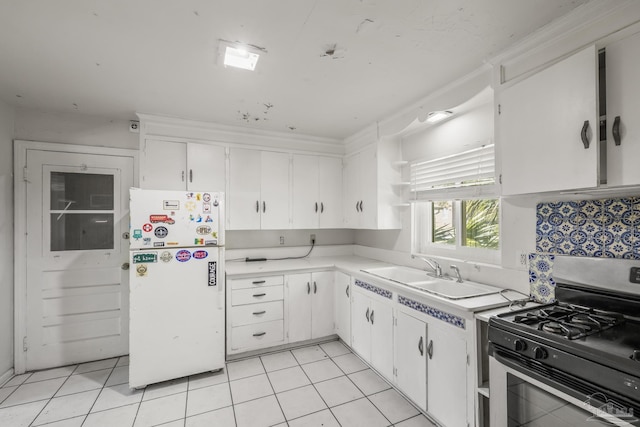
<point x="519" y="399"/>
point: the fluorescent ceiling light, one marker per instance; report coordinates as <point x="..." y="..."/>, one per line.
<point x="239" y="56"/>
<point x="436" y="116"/>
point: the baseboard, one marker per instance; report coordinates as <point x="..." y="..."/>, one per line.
<point x="6" y="377"/>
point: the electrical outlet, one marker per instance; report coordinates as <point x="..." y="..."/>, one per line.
<point x="312" y="239"/>
<point x="522" y="258"/>
<point x="282" y="240"/>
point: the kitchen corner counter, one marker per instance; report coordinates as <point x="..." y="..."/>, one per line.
<point x="353" y="265"/>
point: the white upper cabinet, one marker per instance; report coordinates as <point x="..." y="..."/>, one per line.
<point x="317" y="192"/>
<point x="167" y="165"/>
<point x="369" y="198"/>
<point x="258" y="190"/>
<point x="623" y="109"/>
<point x="548" y="128"/>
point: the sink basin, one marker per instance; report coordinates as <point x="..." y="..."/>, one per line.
<point x="404" y="275"/>
<point x="420" y="280"/>
<point x="453" y="290"/>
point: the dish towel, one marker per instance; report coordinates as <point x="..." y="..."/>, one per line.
<point x="542" y="287"/>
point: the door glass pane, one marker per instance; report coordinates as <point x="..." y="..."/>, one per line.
<point x="81" y="231"/>
<point x="81" y="191"/>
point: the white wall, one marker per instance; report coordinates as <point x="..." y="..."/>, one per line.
<point x="80" y="129"/>
<point x="6" y="238"/>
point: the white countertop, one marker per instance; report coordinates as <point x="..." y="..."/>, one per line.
<point x="353" y="265"/>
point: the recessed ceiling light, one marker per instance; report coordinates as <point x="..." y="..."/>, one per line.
<point x="238" y="55"/>
<point x="436" y="116"/>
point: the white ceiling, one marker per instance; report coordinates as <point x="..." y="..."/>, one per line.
<point x="116" y="57"/>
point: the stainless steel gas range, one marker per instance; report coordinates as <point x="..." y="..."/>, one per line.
<point x="575" y="362"/>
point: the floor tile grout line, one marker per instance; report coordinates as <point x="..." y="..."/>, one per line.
<point x="275" y="395"/>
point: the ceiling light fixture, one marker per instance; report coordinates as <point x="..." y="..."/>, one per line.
<point x="436" y="116"/>
<point x="238" y="55"/>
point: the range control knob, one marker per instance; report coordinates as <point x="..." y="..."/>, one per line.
<point x="520" y="345"/>
<point x="540" y="353"/>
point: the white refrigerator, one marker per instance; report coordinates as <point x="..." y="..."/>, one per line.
<point x="177" y="302"/>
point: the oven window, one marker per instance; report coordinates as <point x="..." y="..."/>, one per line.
<point x="530" y="406"/>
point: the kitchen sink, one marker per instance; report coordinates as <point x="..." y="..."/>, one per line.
<point x="454" y="290"/>
<point x="420" y="280"/>
<point x="404" y="275"/>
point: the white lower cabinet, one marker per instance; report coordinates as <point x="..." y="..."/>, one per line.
<point x="372" y="328"/>
<point x="255" y="313"/>
<point x="310" y="305"/>
<point x="342" y="306"/>
<point x="447" y="374"/>
<point x="410" y="345"/>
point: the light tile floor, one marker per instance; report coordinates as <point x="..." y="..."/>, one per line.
<point x="318" y="385"/>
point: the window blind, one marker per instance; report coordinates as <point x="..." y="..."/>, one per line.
<point x="470" y="168"/>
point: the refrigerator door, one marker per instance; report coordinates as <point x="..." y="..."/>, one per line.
<point x="175" y="219"/>
<point x="177" y="315"/>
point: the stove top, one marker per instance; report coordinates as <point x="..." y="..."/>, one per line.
<point x="570" y="321"/>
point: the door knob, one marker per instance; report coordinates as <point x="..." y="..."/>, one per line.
<point x="125" y="266"/>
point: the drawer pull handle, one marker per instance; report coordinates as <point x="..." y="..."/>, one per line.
<point x="259" y="295"/>
<point x="257" y="313"/>
<point x="259" y="334"/>
<point x="258" y="282"/>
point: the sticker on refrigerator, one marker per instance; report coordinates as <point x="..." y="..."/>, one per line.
<point x="157" y="218"/>
<point x="146" y="241"/>
<point x="147" y="228"/>
<point x="166" y="256"/>
<point x="210" y="242"/>
<point x="200" y="254"/>
<point x="169" y="205"/>
<point x="141" y="270"/>
<point x="190" y="206"/>
<point x="198" y="241"/>
<point x="145" y="257"/>
<point x="157" y="244"/>
<point x="213" y="280"/>
<point x="161" y="232"/>
<point x="183" y="255"/>
<point x="206" y="208"/>
<point x="137" y="234"/>
<point x="206" y="197"/>
<point x="203" y="230"/>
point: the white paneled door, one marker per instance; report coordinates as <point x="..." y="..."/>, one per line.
<point x="77" y="224"/>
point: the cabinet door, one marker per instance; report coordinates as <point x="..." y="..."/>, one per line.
<point x="322" y="304"/>
<point x="410" y="339"/>
<point x="447" y="376"/>
<point x="623" y="101"/>
<point x="244" y="190"/>
<point x="360" y="326"/>
<point x="306" y="203"/>
<point x="342" y="304"/>
<point x="369" y="188"/>
<point x="299" y="296"/>
<point x="351" y="195"/>
<point x="330" y="192"/>
<point x="382" y="337"/>
<point x="206" y="167"/>
<point x="163" y="165"/>
<point x="540" y="128"/>
<point x="275" y="191"/>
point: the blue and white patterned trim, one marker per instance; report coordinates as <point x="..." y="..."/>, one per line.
<point x="433" y="312"/>
<point x="376" y="290"/>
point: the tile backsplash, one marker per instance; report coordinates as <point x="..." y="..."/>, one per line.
<point x="605" y="228"/>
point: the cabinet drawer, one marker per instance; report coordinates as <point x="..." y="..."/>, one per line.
<point x="254" y="282"/>
<point x="252" y="296"/>
<point x="258" y="335"/>
<point x="256" y="313"/>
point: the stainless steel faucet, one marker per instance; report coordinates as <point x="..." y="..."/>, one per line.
<point x="457" y="270"/>
<point x="437" y="271"/>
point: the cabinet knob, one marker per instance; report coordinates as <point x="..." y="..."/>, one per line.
<point x="584" y="134"/>
<point x="615" y="130"/>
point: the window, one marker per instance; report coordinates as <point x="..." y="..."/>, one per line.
<point x="454" y="207"/>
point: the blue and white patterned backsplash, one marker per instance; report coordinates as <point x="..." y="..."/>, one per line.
<point x="606" y="228"/>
